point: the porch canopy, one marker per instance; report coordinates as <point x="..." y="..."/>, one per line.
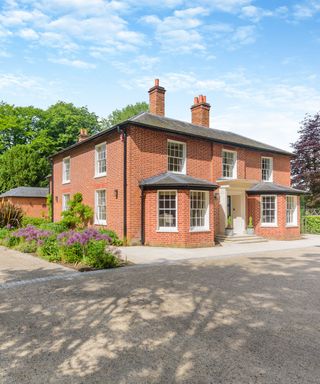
<point x="265" y="188"/>
<point x="170" y="180"/>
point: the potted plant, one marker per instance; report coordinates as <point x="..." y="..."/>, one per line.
<point x="250" y="229"/>
<point x="229" y="227"/>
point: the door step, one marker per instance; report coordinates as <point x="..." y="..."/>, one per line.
<point x="240" y="239"/>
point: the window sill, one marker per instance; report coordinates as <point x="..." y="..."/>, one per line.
<point x="178" y="173"/>
<point x="66" y="182"/>
<point x="174" y="230"/>
<point x="269" y="226"/>
<point x="100" y="175"/>
<point x="100" y="223"/>
<point x="292" y="226"/>
<point x="199" y="230"/>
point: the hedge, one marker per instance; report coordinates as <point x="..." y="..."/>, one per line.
<point x="311" y="224"/>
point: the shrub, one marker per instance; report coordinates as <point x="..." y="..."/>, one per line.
<point x="50" y="249"/>
<point x="113" y="236"/>
<point x="57" y="227"/>
<point x="4" y="234"/>
<point x="98" y="256"/>
<point x="31" y="233"/>
<point x="78" y="215"/>
<point x="35" y="221"/>
<point x="72" y="254"/>
<point x="312" y="224"/>
<point x="10" y="215"/>
<point x="27" y="247"/>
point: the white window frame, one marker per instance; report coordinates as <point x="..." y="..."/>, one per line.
<point x="64" y="180"/>
<point x="167" y="229"/>
<point x="184" y="146"/>
<point x="206" y="226"/>
<point x="295" y="212"/>
<point x="271" y="174"/>
<point x="96" y="163"/>
<point x="98" y="221"/>
<point x="235" y="166"/>
<point x="64" y="202"/>
<point x="275" y="224"/>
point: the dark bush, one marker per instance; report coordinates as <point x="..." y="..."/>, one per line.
<point x="10" y="215"/>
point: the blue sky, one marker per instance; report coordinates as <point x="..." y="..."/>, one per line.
<point x="256" y="61"/>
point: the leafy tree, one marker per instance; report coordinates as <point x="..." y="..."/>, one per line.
<point x="119" y="115"/>
<point x="22" y="165"/>
<point x="19" y="125"/>
<point x="305" y="166"/>
<point x="78" y="215"/>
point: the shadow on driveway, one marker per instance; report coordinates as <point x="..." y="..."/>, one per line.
<point x="246" y="320"/>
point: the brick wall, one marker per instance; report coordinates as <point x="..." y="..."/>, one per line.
<point x="82" y="170"/>
<point x="31" y="206"/>
<point x="281" y="232"/>
<point x="183" y="237"/>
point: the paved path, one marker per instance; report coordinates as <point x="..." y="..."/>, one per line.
<point x="155" y="255"/>
<point x="237" y="320"/>
<point x="16" y="266"/>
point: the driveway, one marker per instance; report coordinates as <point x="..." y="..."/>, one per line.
<point x="16" y="266"/>
<point x="234" y="320"/>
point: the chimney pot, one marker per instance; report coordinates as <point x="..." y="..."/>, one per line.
<point x="83" y="134"/>
<point x="157" y="99"/>
<point x="200" y="111"/>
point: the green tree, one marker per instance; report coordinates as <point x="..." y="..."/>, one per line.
<point x="22" y="165"/>
<point x="19" y="125"/>
<point x="119" y="115"/>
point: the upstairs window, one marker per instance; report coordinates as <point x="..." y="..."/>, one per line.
<point x="100" y="207"/>
<point x="269" y="210"/>
<point x="176" y="156"/>
<point x="229" y="164"/>
<point x="291" y="210"/>
<point x="66" y="170"/>
<point x="167" y="210"/>
<point x="100" y="160"/>
<point x="266" y="168"/>
<point x="199" y="212"/>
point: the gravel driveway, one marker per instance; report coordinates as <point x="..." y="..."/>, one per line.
<point x="240" y="320"/>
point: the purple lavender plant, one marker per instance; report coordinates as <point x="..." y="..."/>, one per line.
<point x="32" y="233"/>
<point x="72" y="237"/>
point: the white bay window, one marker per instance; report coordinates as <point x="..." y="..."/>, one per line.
<point x="167" y="211"/>
<point x="269" y="210"/>
<point x="199" y="210"/>
<point x="291" y="211"/>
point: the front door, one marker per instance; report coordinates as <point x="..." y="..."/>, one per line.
<point x="238" y="214"/>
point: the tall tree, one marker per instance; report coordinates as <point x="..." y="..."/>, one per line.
<point x="305" y="167"/>
<point x="119" y="115"/>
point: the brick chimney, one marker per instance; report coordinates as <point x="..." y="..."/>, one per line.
<point x="200" y="111"/>
<point x="156" y="99"/>
<point x="83" y="134"/>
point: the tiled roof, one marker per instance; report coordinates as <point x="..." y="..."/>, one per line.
<point x="272" y="188"/>
<point x="172" y="125"/>
<point x="26" y="192"/>
<point x="174" y="180"/>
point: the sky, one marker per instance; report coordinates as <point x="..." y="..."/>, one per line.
<point x="256" y="61"/>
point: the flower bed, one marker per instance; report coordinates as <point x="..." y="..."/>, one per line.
<point x="82" y="248"/>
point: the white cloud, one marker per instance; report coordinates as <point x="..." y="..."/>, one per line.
<point x="307" y="9"/>
<point x="242" y="36"/>
<point x="73" y="63"/>
<point x="28" y="34"/>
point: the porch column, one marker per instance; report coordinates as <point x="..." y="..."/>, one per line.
<point x="223" y="209"/>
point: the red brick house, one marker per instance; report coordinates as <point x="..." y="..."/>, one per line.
<point x="160" y="181"/>
<point x="32" y="200"/>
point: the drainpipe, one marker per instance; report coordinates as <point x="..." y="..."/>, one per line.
<point x="52" y="188"/>
<point x="142" y="216"/>
<point x="123" y="136"/>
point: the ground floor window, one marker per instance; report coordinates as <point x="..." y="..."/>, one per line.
<point x="291" y="210"/>
<point x="269" y="210"/>
<point x="167" y="210"/>
<point x="100" y="207"/>
<point x="65" y="201"/>
<point x="199" y="212"/>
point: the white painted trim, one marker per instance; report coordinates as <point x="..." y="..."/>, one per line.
<point x="295" y="213"/>
<point x="96" y="220"/>
<point x="167" y="229"/>
<point x="184" y="169"/>
<point x="271" y="175"/>
<point x="96" y="173"/>
<point x="269" y="225"/>
<point x="235" y="167"/>
<point x="64" y="181"/>
<point x="206" y="227"/>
